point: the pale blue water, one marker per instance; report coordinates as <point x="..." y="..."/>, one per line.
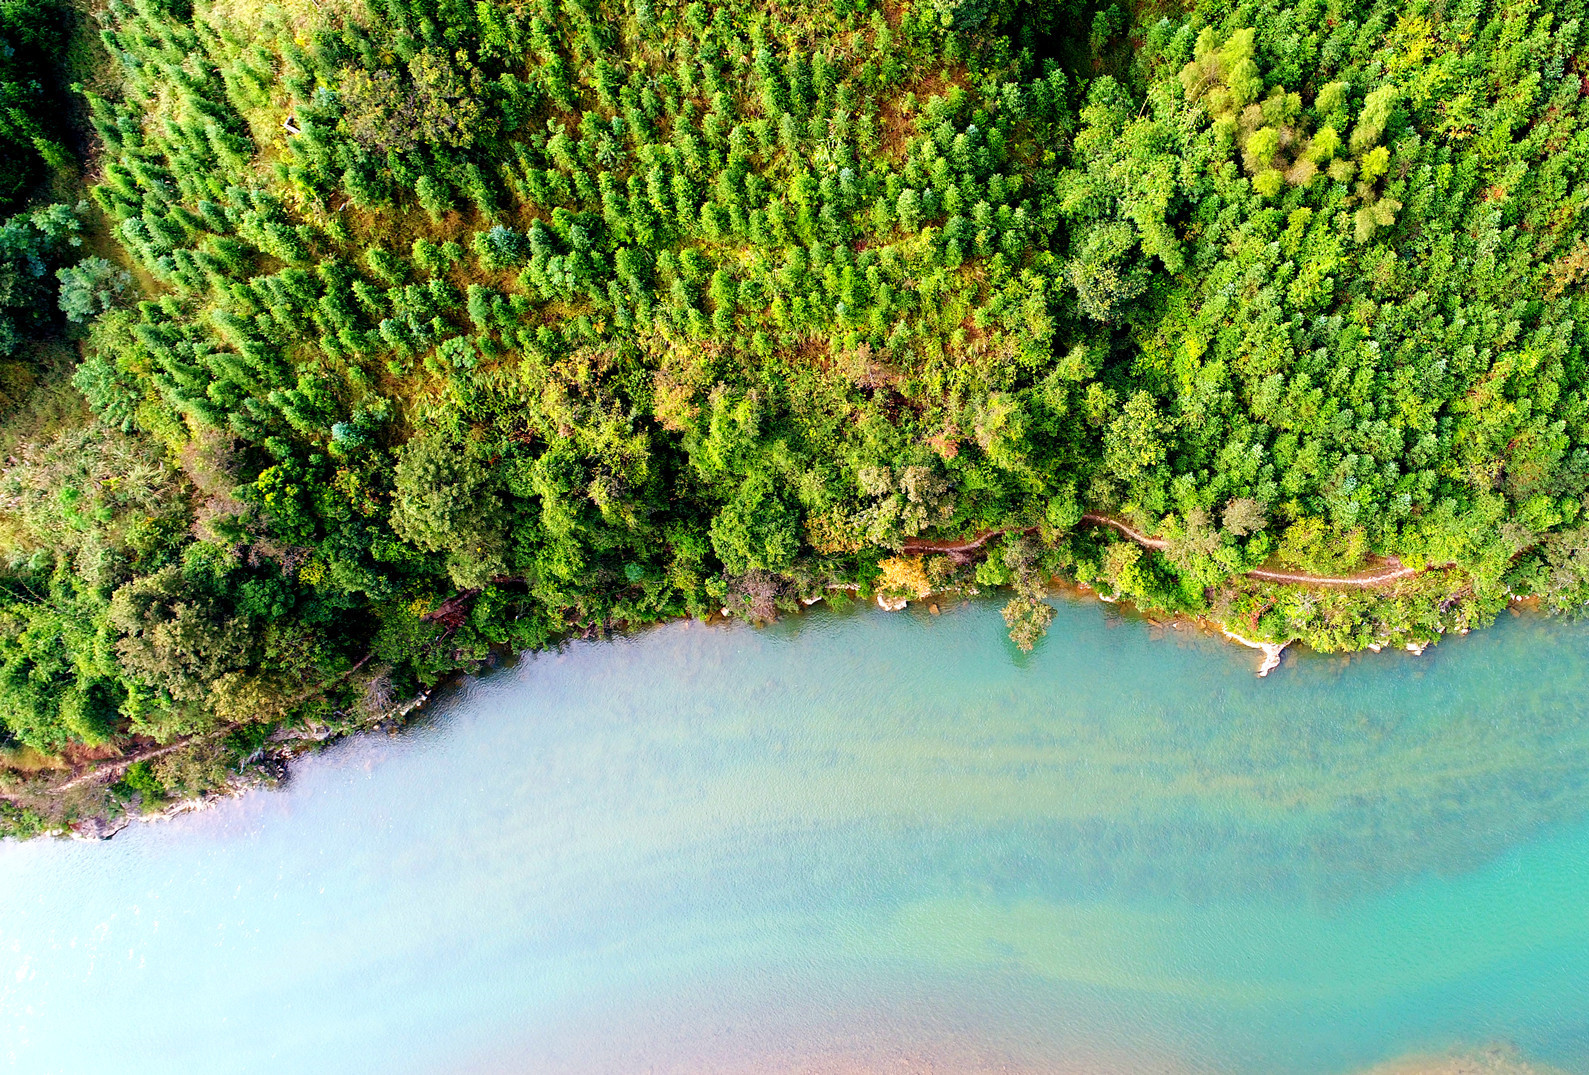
<point x="861" y="842"/>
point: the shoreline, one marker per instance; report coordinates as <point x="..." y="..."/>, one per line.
<point x="287" y="744"/>
<point x="282" y="749"/>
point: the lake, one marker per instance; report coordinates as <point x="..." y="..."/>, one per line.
<point x="859" y="842"/>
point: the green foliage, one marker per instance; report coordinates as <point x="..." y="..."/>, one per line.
<point x="31" y="244"/>
<point x="140" y="779"/>
<point x="32" y="33"/>
<point x="92" y="287"/>
<point x="434" y="101"/>
<point x="755" y="530"/>
<point x="446" y="501"/>
<point x="607" y="314"/>
<point x="1028" y="620"/>
<point x="21" y="822"/>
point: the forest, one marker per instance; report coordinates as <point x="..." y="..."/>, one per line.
<point x="346" y="343"/>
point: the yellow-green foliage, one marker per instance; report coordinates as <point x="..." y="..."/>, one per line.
<point x="1273" y="133"/>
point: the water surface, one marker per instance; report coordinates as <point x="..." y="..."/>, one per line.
<point x="861" y="842"/>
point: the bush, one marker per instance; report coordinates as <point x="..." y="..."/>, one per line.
<point x="91" y="287"/>
<point x="140" y="779"/>
<point x="500" y="248"/>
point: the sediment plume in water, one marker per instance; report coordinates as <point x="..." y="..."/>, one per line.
<point x="1492" y="1060"/>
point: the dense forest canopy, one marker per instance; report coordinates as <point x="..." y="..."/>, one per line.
<point x="411" y="328"/>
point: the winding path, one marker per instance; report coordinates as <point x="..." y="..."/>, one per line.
<point x="119" y="765"/>
<point x="1389" y="572"/>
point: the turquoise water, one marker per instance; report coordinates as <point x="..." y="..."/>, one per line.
<point x="861" y="842"/>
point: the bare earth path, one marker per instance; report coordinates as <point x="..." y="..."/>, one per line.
<point x="1390" y="571"/>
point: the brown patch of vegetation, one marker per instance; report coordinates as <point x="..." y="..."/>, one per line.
<point x="1568" y="270"/>
<point x="25" y="759"/>
<point x="946" y="444"/>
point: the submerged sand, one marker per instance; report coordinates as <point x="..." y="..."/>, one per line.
<point x="1492" y="1060"/>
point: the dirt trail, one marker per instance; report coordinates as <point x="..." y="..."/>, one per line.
<point x="924" y="545"/>
<point x="119" y="766"/>
<point x="1390" y="571"/>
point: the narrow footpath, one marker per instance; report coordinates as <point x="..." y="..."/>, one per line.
<point x="1388" y="572"/>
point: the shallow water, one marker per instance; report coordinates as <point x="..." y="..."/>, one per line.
<point x="861" y="842"/>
